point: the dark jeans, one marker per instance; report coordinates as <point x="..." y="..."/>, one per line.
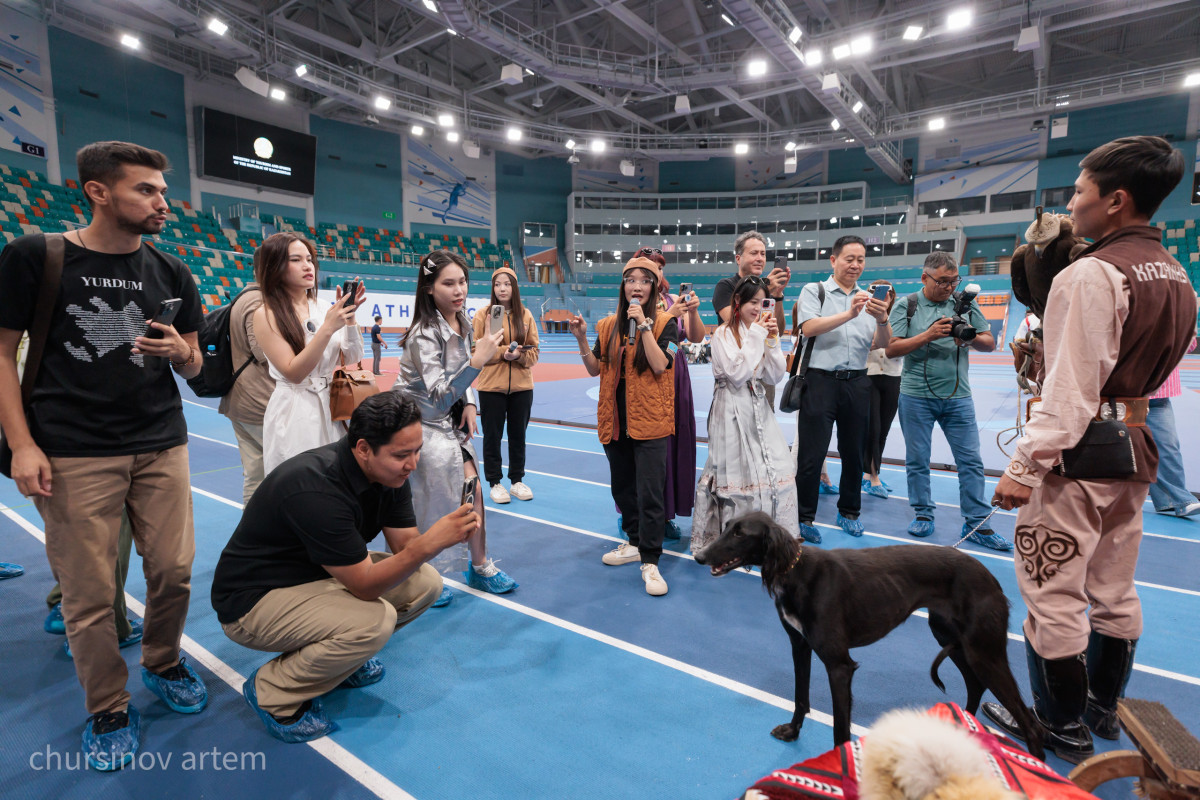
<point x="638" y="473"/>
<point x="827" y="400"/>
<point x="495" y="408"/>
<point x="885" y="398"/>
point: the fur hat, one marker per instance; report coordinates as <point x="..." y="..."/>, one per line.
<point x="646" y="264"/>
<point x="911" y="755"/>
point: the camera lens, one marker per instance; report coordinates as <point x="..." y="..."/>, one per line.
<point x="962" y="330"/>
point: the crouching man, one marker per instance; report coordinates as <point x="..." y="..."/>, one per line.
<point x="296" y="577"/>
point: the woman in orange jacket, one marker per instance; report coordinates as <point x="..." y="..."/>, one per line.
<point x="506" y="384"/>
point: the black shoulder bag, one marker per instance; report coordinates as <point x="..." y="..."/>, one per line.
<point x="43" y="310"/>
<point x="793" y="390"/>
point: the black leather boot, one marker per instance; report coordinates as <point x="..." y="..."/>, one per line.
<point x="1060" y="691"/>
<point x="1109" y="664"/>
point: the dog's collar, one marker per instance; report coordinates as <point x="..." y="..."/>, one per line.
<point x="796" y="560"/>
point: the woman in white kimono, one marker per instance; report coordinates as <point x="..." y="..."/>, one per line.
<point x="436" y="372"/>
<point x="749" y="467"/>
<point x="303" y="343"/>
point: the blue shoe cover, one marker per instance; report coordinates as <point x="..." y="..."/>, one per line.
<point x="110" y="751"/>
<point x="809" y="533"/>
<point x="854" y="527"/>
<point x="827" y="488"/>
<point x="497" y="584"/>
<point x="181" y="688"/>
<point x="8" y="570"/>
<point x="672" y="531"/>
<point x="987" y="538"/>
<point x="443" y="599"/>
<point x="921" y="526"/>
<point x="135" y="636"/>
<point x="54" y="621"/>
<point x="879" y="491"/>
<point x="370" y="672"/>
<point x="621" y="528"/>
<point x="313" y="724"/>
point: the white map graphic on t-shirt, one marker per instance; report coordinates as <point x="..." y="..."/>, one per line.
<point x="107" y="330"/>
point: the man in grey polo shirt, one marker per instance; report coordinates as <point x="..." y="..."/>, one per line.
<point x="934" y="388"/>
<point x="837" y="388"/>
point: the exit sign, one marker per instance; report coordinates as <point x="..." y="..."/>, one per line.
<point x="389" y="215"/>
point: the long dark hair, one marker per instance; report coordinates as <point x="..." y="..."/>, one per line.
<point x="743" y="292"/>
<point x="432" y="264"/>
<point x="516" y="310"/>
<point x="270" y="271"/>
<point x="649" y="308"/>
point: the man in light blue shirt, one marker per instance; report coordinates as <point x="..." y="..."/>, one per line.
<point x="934" y="388"/>
<point x="836" y="386"/>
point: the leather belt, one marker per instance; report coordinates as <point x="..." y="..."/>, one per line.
<point x="839" y="374"/>
<point x="1131" y="410"/>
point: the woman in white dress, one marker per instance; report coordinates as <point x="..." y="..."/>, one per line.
<point x="436" y="371"/>
<point x="749" y="467"/>
<point x="303" y="343"/>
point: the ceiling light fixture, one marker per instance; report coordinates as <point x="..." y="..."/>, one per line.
<point x="959" y="19"/>
<point x="382" y="103"/>
<point x="130" y="41"/>
<point x="795" y="34"/>
<point x="418" y="130"/>
<point x="216" y="26"/>
<point x="301" y="70"/>
<point x="741" y="148"/>
<point x="452" y="136"/>
<point x="597" y="145"/>
<point x="569" y="144"/>
<point x="729" y="20"/>
<point x="513" y="134"/>
<point x="432" y="6"/>
<point x="836" y="124"/>
<point x="861" y="45"/>
<point x="814" y="57"/>
<point x="913" y="32"/>
<point x="790" y="146"/>
<point x="446" y="120"/>
<point x="841" y="51"/>
<point x="757" y="68"/>
<point x="937" y="123"/>
<point x="857" y="107"/>
<point x="278" y="94"/>
<point x="1193" y="79"/>
<point x="451" y="31"/>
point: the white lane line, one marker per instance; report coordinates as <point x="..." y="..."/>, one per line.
<point x="650" y="655"/>
<point x="215" y="441"/>
<point x="339" y="756"/>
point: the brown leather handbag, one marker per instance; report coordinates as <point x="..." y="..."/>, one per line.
<point x="348" y="388"/>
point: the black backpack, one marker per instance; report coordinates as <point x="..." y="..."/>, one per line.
<point x="217" y="376"/>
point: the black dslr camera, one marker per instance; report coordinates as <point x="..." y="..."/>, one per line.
<point x="960" y="328"/>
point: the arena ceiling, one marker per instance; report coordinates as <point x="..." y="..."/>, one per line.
<point x="615" y="69"/>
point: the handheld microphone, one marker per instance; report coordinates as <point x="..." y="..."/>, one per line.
<point x="632" y="322"/>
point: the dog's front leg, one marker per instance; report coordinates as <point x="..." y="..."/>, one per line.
<point x="802" y="666"/>
<point x="841" y="673"/>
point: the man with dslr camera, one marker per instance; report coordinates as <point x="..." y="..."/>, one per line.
<point x="933" y="328"/>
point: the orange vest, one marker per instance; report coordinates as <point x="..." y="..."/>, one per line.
<point x="649" y="398"/>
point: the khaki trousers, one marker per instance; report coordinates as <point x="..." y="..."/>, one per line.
<point x="324" y="633"/>
<point x="1077" y="546"/>
<point x="83" y="522"/>
<point x="250" y="448"/>
<point x="120" y="612"/>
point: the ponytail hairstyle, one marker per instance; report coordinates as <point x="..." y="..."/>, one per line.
<point x="270" y="271"/>
<point x="516" y="310"/>
<point x="644" y="268"/>
<point x="743" y="293"/>
<point x="424" y="309"/>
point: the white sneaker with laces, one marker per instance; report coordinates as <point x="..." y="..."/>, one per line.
<point x="499" y="495"/>
<point x="521" y="491"/>
<point x="625" y="554"/>
<point x="655" y="585"/>
<point x="1190" y="510"/>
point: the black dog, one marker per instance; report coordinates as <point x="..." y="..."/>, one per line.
<point x="832" y="600"/>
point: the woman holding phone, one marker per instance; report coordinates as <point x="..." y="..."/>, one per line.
<point x="884" y="373"/>
<point x="749" y="467"/>
<point x="506" y="384"/>
<point x="303" y="343"/>
<point x="436" y="372"/>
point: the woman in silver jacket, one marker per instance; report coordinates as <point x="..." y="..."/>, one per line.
<point x="436" y="371"/>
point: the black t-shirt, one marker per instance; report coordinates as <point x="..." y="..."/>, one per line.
<point x="313" y="510"/>
<point x="669" y="336"/>
<point x="93" y="396"/>
<point x="375" y="331"/>
<point x="723" y="293"/>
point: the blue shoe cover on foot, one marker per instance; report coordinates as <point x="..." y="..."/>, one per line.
<point x="110" y="751"/>
<point x="671" y="530"/>
<point x="443" y="599"/>
<point x="370" y="672"/>
<point x="496" y="584"/>
<point x="987" y="538"/>
<point x="854" y="527"/>
<point x="809" y="533"/>
<point x="921" y="526"/>
<point x="54" y="621"/>
<point x="181" y="688"/>
<point x="313" y="724"/>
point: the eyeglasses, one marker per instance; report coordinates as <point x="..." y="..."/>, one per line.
<point x="945" y="284"/>
<point x="647" y="251"/>
<point x="638" y="282"/>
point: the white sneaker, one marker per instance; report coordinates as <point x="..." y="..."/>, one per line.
<point x="1190" y="510"/>
<point x="625" y="554"/>
<point x="499" y="495"/>
<point x="655" y="585"/>
<point x="521" y="491"/>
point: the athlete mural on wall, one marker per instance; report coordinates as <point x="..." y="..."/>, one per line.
<point x="441" y="190"/>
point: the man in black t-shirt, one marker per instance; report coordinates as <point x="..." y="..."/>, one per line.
<point x="297" y="578"/>
<point x="377" y="344"/>
<point x="104" y="430"/>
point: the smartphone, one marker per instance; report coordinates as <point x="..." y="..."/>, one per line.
<point x="167" y="310"/>
<point x="768" y="305"/>
<point x="349" y="292"/>
<point x="468" y="491"/>
<point x="495" y="319"/>
<point x="781" y="263"/>
<point x="880" y="292"/>
<point x="684" y="288"/>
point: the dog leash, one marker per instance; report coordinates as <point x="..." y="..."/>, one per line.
<point x="977" y="527"/>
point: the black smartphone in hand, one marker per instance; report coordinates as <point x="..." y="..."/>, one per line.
<point x="167" y="311"/>
<point x="349" y="292"/>
<point x="781" y="264"/>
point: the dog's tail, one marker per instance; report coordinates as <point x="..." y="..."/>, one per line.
<point x="933" y="670"/>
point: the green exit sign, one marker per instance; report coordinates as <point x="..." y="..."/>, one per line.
<point x="389" y="215"/>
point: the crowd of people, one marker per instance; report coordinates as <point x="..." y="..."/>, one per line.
<point x="98" y="439"/>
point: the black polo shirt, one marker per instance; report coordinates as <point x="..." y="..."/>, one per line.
<point x="315" y="509"/>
